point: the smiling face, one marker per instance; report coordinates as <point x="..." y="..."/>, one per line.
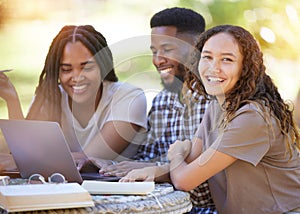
<point x="79" y="73"/>
<point x="220" y="65"/>
<point x="169" y="53"/>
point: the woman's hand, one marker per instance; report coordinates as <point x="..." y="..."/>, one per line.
<point x="10" y="95"/>
<point x="101" y="163"/>
<point x="80" y="159"/>
<point x="7" y="89"/>
<point x="151" y="173"/>
<point x="179" y="148"/>
<point x="86" y="164"/>
<point x="144" y="174"/>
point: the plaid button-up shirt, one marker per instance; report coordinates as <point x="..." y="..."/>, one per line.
<point x="170" y="120"/>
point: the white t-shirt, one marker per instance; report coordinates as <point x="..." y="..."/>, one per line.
<point x="119" y="102"/>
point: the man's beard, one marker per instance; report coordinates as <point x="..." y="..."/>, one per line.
<point x="177" y="83"/>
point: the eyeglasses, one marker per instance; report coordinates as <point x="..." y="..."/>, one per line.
<point x="55" y="178"/>
<point x="4" y="180"/>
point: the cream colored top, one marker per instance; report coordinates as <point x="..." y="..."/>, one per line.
<point x="119" y="102"/>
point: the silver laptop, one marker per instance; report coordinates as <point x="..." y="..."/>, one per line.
<point x="40" y="147"/>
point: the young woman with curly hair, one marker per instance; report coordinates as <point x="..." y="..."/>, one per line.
<point x="248" y="138"/>
<point x="247" y="145"/>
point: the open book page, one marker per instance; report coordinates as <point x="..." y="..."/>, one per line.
<point x="124" y="188"/>
<point x="44" y="196"/>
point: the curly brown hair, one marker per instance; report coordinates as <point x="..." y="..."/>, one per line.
<point x="47" y="102"/>
<point x="254" y="85"/>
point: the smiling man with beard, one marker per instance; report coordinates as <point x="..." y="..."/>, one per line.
<point x="175" y="113"/>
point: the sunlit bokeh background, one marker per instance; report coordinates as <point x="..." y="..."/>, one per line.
<point x="27" y="28"/>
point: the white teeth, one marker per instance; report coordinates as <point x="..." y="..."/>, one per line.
<point x="165" y="70"/>
<point x="214" y="79"/>
<point x="79" y="87"/>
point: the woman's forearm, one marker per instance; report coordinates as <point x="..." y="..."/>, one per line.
<point x="196" y="150"/>
<point x="14" y="109"/>
<point x="162" y="173"/>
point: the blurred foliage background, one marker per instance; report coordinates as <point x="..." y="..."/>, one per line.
<point x="28" y="27"/>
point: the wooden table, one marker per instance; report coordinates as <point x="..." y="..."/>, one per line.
<point x="164" y="199"/>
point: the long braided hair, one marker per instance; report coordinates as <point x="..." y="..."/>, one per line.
<point x="253" y="86"/>
<point x="47" y="101"/>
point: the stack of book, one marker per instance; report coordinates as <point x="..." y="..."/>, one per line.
<point x="16" y="198"/>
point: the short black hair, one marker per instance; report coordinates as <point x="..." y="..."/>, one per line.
<point x="185" y="20"/>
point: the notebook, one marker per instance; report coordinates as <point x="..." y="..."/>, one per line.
<point x="118" y="188"/>
<point x="40" y="147"/>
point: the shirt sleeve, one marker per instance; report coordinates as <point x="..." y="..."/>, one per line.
<point x="150" y="149"/>
<point x="163" y="128"/>
<point x="130" y="106"/>
<point x="246" y="137"/>
<point x="160" y="134"/>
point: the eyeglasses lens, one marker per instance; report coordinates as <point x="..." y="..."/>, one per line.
<point x="36" y="179"/>
<point x="57" y="178"/>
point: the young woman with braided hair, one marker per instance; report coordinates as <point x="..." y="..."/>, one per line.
<point x="247" y="145"/>
<point x="78" y="88"/>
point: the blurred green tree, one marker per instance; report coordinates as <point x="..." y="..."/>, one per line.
<point x="275" y="24"/>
